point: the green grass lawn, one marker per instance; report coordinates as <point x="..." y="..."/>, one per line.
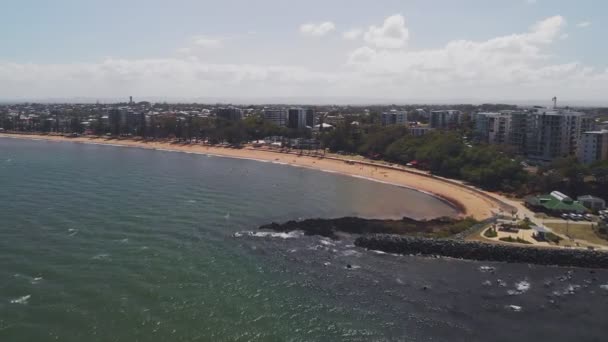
<point x="578" y="231"/>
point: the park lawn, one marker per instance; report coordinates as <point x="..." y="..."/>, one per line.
<point x="583" y="232"/>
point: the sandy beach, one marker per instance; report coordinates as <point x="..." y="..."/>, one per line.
<point x="471" y="202"/>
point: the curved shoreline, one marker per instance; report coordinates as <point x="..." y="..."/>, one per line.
<point x="467" y="200"/>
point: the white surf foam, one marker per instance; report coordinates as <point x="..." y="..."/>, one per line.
<point x="102" y="256"/>
<point x="487" y="269"/>
<point x="522" y="286"/>
<point x="290" y="235"/>
<point x="21" y="300"/>
<point x="514" y="308"/>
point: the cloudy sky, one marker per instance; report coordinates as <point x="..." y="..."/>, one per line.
<point x="254" y="50"/>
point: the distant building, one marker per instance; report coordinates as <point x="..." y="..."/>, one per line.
<point x="296" y="118"/>
<point x="593" y="146"/>
<point x="592" y="203"/>
<point x="555" y="203"/>
<point x="493" y="128"/>
<point x="229" y="113"/>
<point x="310" y="117"/>
<point x="544" y="135"/>
<point x="445" y="119"/>
<point x="276" y="116"/>
<point x="394" y="117"/>
<point x="420" y="131"/>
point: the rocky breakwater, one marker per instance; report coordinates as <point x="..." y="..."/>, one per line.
<point x="331" y="228"/>
<point x="483" y="251"/>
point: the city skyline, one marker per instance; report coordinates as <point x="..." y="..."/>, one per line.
<point x="415" y="52"/>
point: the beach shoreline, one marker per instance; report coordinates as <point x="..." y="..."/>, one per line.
<point x="467" y="200"/>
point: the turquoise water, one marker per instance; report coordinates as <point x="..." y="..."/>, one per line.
<point x="116" y="244"/>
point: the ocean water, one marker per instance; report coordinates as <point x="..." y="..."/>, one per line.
<point x="101" y="243"/>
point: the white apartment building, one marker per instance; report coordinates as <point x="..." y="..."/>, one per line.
<point x="394" y="117"/>
<point x="493" y="128"/>
<point x="593" y="146"/>
<point x="442" y="119"/>
<point x="276" y="116"/>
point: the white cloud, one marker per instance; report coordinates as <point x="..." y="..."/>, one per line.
<point x="317" y="30"/>
<point x="353" y="34"/>
<point x="509" y="67"/>
<point x="391" y="35"/>
<point x="207" y="42"/>
<point x="584" y="24"/>
<point x="498" y="67"/>
<point x="184" y="51"/>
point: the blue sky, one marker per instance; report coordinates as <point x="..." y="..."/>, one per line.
<point x="434" y="50"/>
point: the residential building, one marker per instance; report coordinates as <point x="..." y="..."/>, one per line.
<point x="276" y="116"/>
<point x="592" y="203"/>
<point x="420" y="131"/>
<point x="394" y="117"/>
<point x="593" y="146"/>
<point x="229" y="113"/>
<point x="296" y="118"/>
<point x="445" y="119"/>
<point x="544" y="135"/>
<point x="310" y="117"/>
<point x="493" y="128"/>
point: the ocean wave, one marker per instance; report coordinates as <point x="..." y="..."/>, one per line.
<point x="290" y="235"/>
<point x="327" y="242"/>
<point x="350" y="252"/>
<point x="522" y="286"/>
<point x="21" y="300"/>
<point x="514" y="308"/>
<point x="604" y="287"/>
<point x="487" y="269"/>
<point x="102" y="256"/>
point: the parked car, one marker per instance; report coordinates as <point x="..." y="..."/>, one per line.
<point x="565" y="216"/>
<point x="588" y="217"/>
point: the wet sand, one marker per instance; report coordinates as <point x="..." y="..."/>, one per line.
<point x="471" y="202"/>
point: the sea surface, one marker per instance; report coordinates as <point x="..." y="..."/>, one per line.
<point x="102" y="243"/>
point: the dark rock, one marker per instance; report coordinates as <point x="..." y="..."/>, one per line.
<point x="441" y="227"/>
<point x="484" y="251"/>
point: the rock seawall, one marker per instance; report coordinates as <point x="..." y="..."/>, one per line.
<point x="483" y="251"/>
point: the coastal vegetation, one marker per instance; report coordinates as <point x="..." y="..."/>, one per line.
<point x="511" y="239"/>
<point x="451" y="154"/>
<point x="491" y="233"/>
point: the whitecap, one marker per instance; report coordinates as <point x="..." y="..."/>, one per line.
<point x="514" y="308"/>
<point x="522" y="286"/>
<point x="487" y="269"/>
<point x="36" y="280"/>
<point x="102" y="256"/>
<point x="350" y="252"/>
<point x="290" y="235"/>
<point x="604" y="287"/>
<point x="21" y="300"/>
<point x="327" y="242"/>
